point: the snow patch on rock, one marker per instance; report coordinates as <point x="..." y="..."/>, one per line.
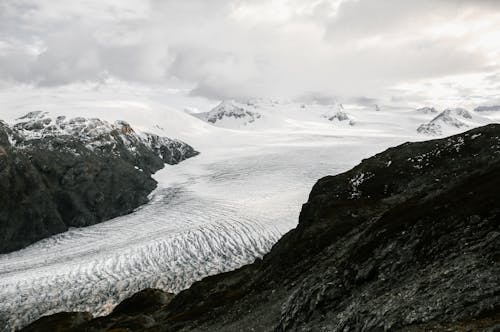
<point x="336" y="113"/>
<point x="97" y="135"/>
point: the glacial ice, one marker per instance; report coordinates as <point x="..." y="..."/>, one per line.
<point x="211" y="213"/>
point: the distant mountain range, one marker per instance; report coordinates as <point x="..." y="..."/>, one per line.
<point x="262" y="115"/>
<point x="451" y="121"/>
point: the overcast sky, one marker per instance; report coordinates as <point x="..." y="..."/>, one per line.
<point x="389" y="51"/>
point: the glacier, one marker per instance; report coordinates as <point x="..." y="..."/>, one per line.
<point x="210" y="214"/>
<point x="206" y="216"/>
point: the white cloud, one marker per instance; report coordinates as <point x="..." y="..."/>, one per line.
<point x="346" y="49"/>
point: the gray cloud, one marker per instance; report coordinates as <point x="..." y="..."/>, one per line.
<point x="241" y="49"/>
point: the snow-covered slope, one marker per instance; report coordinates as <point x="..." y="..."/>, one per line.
<point x="282" y="116"/>
<point x="451" y="121"/>
<point x="230" y="114"/>
<point x="265" y="115"/>
<point x="96" y="134"/>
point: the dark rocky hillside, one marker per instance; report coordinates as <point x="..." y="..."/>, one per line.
<point x="409" y="240"/>
<point x="60" y="173"/>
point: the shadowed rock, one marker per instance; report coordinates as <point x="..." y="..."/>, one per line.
<point x="144" y="301"/>
<point x="60" y="322"/>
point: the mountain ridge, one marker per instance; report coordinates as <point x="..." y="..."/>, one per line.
<point x="63" y="172"/>
<point x="451" y="120"/>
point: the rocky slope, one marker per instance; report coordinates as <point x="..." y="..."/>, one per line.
<point x="57" y="173"/>
<point x="407" y="240"/>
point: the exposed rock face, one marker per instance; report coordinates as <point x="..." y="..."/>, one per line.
<point x="60" y="173"/>
<point x="407" y="240"/>
<point x="61" y="322"/>
<point x="229" y="110"/>
<point x="147" y="300"/>
<point x="133" y="313"/>
<point x="340" y="116"/>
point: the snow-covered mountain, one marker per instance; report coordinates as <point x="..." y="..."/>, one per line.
<point x="338" y="114"/>
<point x="97" y="135"/>
<point x="255" y="115"/>
<point x="264" y="115"/>
<point x="230" y="114"/>
<point x="451" y="121"/>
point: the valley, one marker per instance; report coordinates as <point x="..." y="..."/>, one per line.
<point x="209" y="214"/>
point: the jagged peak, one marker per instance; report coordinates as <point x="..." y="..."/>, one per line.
<point x="339" y="115"/>
<point x="231" y="110"/>
<point x="458" y="111"/>
<point x="449" y="120"/>
<point x="95" y="133"/>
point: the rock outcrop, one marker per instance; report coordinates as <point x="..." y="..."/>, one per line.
<point x="57" y="173"/>
<point x="132" y="312"/>
<point x="407" y="240"/>
<point x="341" y="117"/>
<point x="336" y="113"/>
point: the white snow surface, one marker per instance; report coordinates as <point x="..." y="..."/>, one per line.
<point x="209" y="214"/>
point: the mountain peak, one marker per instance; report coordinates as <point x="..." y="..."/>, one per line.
<point x="450" y="120"/>
<point x="230" y="114"/>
